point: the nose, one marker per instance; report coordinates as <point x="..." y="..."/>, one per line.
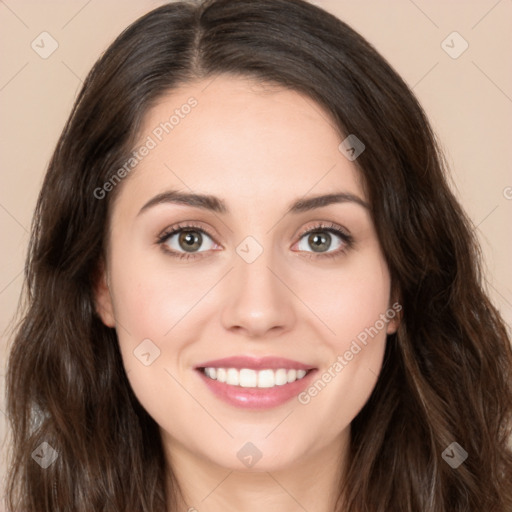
<point x="259" y="301"/>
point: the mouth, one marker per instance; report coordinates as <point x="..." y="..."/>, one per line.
<point x="255" y="383"/>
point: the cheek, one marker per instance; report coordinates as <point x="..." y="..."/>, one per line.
<point x="153" y="294"/>
<point x="353" y="305"/>
<point x="154" y="309"/>
<point x="350" y="299"/>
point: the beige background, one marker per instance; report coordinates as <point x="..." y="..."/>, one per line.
<point x="468" y="99"/>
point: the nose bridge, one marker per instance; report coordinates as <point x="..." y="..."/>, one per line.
<point x="257" y="300"/>
<point x="253" y="269"/>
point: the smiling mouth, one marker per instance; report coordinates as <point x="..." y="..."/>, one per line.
<point x="250" y="378"/>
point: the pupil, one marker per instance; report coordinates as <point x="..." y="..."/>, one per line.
<point x="317" y="240"/>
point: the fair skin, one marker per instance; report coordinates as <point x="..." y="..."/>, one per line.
<point x="259" y="150"/>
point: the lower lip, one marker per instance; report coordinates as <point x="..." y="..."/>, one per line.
<point x="256" y="398"/>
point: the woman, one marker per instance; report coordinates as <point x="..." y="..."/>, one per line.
<point x="249" y="286"/>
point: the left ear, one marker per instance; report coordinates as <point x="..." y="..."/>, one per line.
<point x="102" y="297"/>
<point x="394" y="313"/>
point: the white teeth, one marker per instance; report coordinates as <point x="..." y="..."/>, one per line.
<point x="266" y="379"/>
<point x="211" y="372"/>
<point x="221" y="374"/>
<point x="233" y="377"/>
<point x="248" y="378"/>
<point x="281" y="376"/>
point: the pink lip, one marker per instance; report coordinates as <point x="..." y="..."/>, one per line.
<point x="256" y="398"/>
<point x="255" y="363"/>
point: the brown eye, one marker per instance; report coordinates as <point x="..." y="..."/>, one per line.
<point x="186" y="240"/>
<point x="320" y="241"/>
<point x="190" y="241"/>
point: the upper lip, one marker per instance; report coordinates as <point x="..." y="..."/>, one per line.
<point x="255" y="363"/>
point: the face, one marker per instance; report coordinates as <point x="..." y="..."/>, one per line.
<point x="285" y="298"/>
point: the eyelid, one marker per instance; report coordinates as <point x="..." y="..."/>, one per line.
<point x="184" y="226"/>
<point x="324" y="226"/>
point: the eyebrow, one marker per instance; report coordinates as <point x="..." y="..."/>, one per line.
<point x="217" y="205"/>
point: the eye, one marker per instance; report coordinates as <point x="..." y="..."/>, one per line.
<point x="325" y="240"/>
<point x="184" y="241"/>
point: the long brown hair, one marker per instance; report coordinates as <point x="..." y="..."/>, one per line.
<point x="447" y="371"/>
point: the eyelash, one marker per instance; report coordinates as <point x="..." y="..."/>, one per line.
<point x="320" y="227"/>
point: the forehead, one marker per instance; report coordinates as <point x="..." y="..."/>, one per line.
<point x="241" y="140"/>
